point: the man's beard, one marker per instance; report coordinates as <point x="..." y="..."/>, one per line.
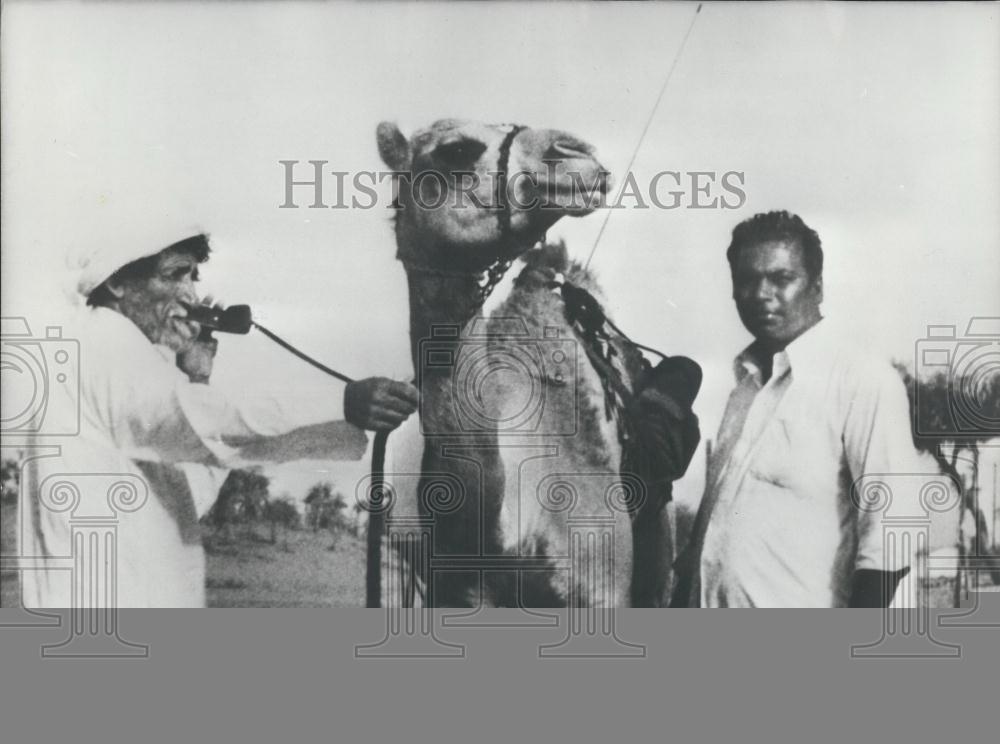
<point x="158" y="329"/>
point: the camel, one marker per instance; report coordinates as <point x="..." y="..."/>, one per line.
<point x="513" y="409"/>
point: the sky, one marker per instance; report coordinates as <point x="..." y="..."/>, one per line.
<point x="878" y="124"/>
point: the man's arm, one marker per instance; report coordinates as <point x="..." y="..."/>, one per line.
<point x="878" y="445"/>
<point x="374" y="403"/>
<point x="153" y="411"/>
<point x="378" y="403"/>
<point x="666" y="428"/>
<point x="273" y="428"/>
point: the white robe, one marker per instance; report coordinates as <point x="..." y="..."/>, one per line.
<point x="121" y="479"/>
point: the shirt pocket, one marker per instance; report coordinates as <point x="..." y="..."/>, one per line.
<point x="793" y="454"/>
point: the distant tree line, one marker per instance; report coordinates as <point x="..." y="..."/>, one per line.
<point x="951" y="417"/>
<point x="245" y="502"/>
<point x="10" y="477"/>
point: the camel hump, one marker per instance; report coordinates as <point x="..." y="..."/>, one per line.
<point x="552" y="256"/>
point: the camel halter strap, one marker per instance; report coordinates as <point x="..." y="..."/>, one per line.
<point x="500" y="187"/>
<point x="496" y="270"/>
<point x="494" y="273"/>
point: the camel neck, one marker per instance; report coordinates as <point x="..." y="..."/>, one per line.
<point x="438" y="301"/>
<point x="440" y="308"/>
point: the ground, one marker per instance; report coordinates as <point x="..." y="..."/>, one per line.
<point x="8" y="544"/>
<point x="300" y="570"/>
<point x="247" y="571"/>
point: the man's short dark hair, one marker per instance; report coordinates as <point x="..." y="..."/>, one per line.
<point x="144" y="268"/>
<point x="779" y="226"/>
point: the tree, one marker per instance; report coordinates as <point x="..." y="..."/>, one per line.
<point x="242" y="500"/>
<point x="942" y="409"/>
<point x="360" y="515"/>
<point x="326" y="510"/>
<point x="10" y="478"/>
<point x="282" y="512"/>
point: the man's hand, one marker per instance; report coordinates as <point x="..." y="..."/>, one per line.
<point x="666" y="428"/>
<point x="196" y="361"/>
<point x="873" y="588"/>
<point x="378" y="403"/>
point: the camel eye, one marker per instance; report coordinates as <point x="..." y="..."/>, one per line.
<point x="460" y="153"/>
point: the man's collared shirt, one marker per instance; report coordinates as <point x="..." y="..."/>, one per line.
<point x="777" y="526"/>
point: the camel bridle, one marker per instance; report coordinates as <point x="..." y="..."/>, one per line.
<point x="491" y="276"/>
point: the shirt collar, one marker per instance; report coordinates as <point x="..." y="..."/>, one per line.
<point x="796" y="353"/>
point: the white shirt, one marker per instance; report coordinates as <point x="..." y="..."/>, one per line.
<point x="140" y="418"/>
<point x="777" y="526"/>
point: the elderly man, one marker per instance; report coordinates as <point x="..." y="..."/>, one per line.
<point x="146" y="406"/>
<point x="810" y="414"/>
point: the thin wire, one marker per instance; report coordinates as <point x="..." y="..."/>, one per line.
<point x="645" y="129"/>
<point x="376" y="516"/>
<point x="304" y="357"/>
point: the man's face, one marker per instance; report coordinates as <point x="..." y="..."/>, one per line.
<point x="776" y="299"/>
<point x="153" y="304"/>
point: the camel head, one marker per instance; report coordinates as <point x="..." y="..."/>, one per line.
<point x="470" y="193"/>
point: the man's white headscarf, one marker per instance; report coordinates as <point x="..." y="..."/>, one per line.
<point x="98" y="264"/>
<point x="93" y="261"/>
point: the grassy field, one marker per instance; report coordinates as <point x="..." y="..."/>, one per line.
<point x="245" y="570"/>
<point x="300" y="570"/>
<point x="9" y="594"/>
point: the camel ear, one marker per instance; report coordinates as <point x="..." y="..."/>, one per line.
<point x="393" y="146"/>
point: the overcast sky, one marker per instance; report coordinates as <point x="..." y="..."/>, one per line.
<point x="876" y="123"/>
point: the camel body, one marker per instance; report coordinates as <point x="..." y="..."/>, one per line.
<point x="518" y="491"/>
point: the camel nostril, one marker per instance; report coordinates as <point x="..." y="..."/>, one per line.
<point x="568" y="148"/>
